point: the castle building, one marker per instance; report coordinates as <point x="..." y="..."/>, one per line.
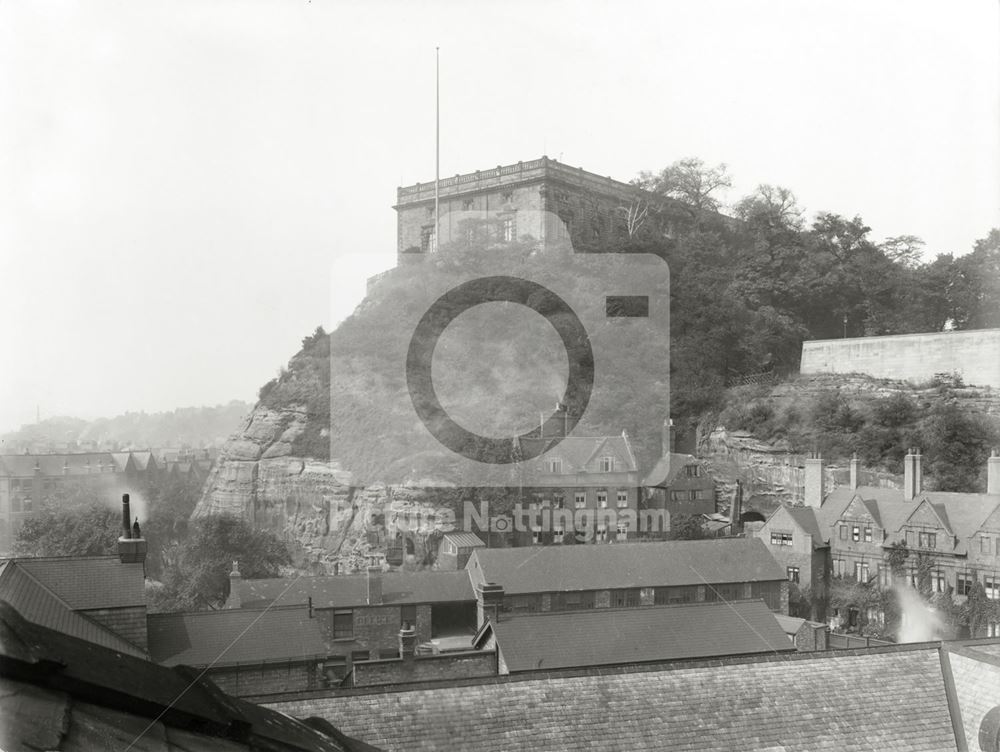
<point x="542" y="198"/>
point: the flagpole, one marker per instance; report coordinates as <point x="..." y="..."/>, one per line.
<point x="437" y="147"/>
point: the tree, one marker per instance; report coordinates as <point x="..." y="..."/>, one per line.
<point x="690" y="182"/>
<point x="82" y="531"/>
<point x="200" y="578"/>
<point x="686" y="527"/>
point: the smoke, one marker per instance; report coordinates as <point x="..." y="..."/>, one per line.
<point x="919" y="622"/>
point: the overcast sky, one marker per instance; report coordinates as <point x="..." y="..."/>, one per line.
<point x="178" y="179"/>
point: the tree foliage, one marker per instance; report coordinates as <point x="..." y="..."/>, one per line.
<point x="90" y="530"/>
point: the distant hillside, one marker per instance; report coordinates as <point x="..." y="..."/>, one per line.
<point x="186" y="426"/>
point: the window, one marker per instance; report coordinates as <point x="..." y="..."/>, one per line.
<point x="622" y="499"/>
<point x="27" y="503"/>
<point x="625" y="598"/>
<point x="557" y="535"/>
<point x="984" y="544"/>
<point x="692" y="471"/>
<point x="838" y="567"/>
<point x="928" y="540"/>
<point x="993" y="587"/>
<point x="793" y="574"/>
<point x="607" y="464"/>
<point x="781" y="539"/>
<point x="558" y="501"/>
<point x="622" y="531"/>
<point x="602" y="534"/>
<point x="580" y="499"/>
<point x="963" y="583"/>
<point x="937" y="581"/>
<point x="467" y="204"/>
<point x="885" y="576"/>
<point x="602" y="499"/>
<point x="855" y="533"/>
<point x="507" y="232"/>
<point x="843" y="532"/>
<point x="555" y="466"/>
<point x="910" y="540"/>
<point x="868" y="535"/>
<point x="536" y="534"/>
<point x="408" y="615"/>
<point x="343" y="625"/>
<point x="993" y="629"/>
<point x="860" y="571"/>
<point x="427" y="239"/>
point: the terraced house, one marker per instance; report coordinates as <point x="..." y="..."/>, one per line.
<point x="948" y="540"/>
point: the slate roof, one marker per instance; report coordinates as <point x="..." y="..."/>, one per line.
<point x="665" y="470"/>
<point x="577" y="452"/>
<point x="56" y="674"/>
<point x="673" y="563"/>
<point x="464" y="540"/>
<point x="347" y="591"/>
<point x="232" y="636"/>
<point x="890" y="698"/>
<point x="89" y="582"/>
<point x="805" y="517"/>
<point x="637" y="635"/>
<point x="40" y="605"/>
<point x="75" y="463"/>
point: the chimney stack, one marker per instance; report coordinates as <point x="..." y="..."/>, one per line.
<point x="993" y="473"/>
<point x="131" y="544"/>
<point x="407" y="641"/>
<point x="235" y="599"/>
<point x="374" y="586"/>
<point x="668" y="439"/>
<point x="912" y="475"/>
<point x="489" y="599"/>
<point x="855" y="471"/>
<point x="815" y="482"/>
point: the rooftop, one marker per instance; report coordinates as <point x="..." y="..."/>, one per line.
<point x="638" y="635"/>
<point x="890" y="698"/>
<point x="352" y="590"/>
<point x="227" y="637"/>
<point x="89" y="582"/>
<point x="632" y="565"/>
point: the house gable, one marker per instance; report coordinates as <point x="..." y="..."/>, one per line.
<point x="926" y="516"/>
<point x="992" y="523"/>
<point x="857" y="511"/>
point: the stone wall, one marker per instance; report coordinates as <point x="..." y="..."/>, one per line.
<point x="973" y="355"/>
<point x="465" y="665"/>
<point x="252" y="681"/>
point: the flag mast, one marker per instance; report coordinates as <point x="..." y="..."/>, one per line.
<point x="437" y="147"/>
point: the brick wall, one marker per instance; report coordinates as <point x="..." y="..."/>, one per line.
<point x="129" y="623"/>
<point x="375" y="628"/>
<point x="464" y="665"/>
<point x="916" y="357"/>
<point x="245" y="681"/>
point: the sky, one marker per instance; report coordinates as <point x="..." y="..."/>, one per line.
<point x="188" y="189"/>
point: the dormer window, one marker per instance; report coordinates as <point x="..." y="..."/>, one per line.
<point x="693" y="471"/>
<point x="555" y="466"/>
<point x="927" y="540"/>
<point x="607" y="464"/>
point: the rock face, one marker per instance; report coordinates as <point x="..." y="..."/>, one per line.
<point x="332" y="525"/>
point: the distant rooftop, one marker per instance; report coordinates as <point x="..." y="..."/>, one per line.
<point x="629" y="565"/>
<point x="598" y="637"/>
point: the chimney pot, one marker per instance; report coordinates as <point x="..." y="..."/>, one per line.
<point x="126" y="517"/>
<point x="235" y="599"/>
<point x="407" y="641"/>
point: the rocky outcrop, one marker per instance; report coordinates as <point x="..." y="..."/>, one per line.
<point x="331" y="524"/>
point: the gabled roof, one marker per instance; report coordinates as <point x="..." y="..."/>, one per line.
<point x="89" y="582"/>
<point x="630" y="565"/>
<point x="464" y="540"/>
<point x="222" y="638"/>
<point x="72" y="463"/>
<point x="348" y="591"/>
<point x="666" y="469"/>
<point x="577" y="452"/>
<point x="131" y="696"/>
<point x="40" y="605"/>
<point x="874" y="699"/>
<point x="805" y="518"/>
<point x="599" y="637"/>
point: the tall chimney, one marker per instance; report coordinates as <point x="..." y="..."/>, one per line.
<point x="374" y="586"/>
<point x="126" y="518"/>
<point x="855" y="471"/>
<point x="736" y="525"/>
<point x="235" y="599"/>
<point x="815" y="483"/>
<point x="668" y="439"/>
<point x="993" y="473"/>
<point x="912" y="475"/>
<point x="131" y="544"/>
<point x="407" y="641"/>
